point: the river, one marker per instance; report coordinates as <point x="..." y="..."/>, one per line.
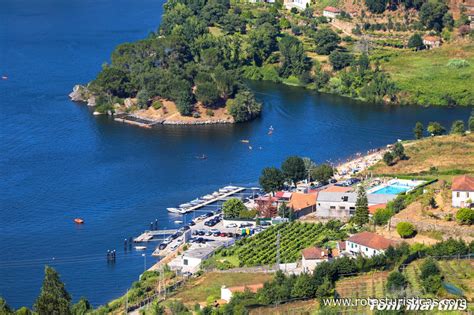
<point x="58" y="162"/>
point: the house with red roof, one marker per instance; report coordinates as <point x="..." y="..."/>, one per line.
<point x="431" y="41"/>
<point x="313" y="256"/>
<point x="303" y="204"/>
<point x="331" y="12"/>
<point x="367" y="244"/>
<point x="462" y="191"/>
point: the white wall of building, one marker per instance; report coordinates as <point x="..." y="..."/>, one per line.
<point x="460" y="198"/>
<point x="335" y="209"/>
<point x="299" y="4"/>
<point x="226" y="294"/>
<point x="355" y="249"/>
<point x="308" y="265"/>
<point x="330" y="14"/>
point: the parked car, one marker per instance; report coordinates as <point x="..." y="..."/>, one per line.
<point x="200" y="240"/>
<point x="163" y="245"/>
<point x="231" y="225"/>
<point x="214" y="230"/>
<point x="208" y="233"/>
<point x="223" y="234"/>
<point x="333" y="180"/>
<point x="201" y="232"/>
<point x="192" y="223"/>
<point x="244" y="225"/>
<point x="175" y="246"/>
<point x="209" y="214"/>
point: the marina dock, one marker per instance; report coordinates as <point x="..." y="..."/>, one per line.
<point x="217" y="198"/>
<point x="149" y="235"/>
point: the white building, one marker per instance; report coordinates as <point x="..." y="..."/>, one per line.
<point x="313" y="256"/>
<point x="367" y="244"/>
<point x="342" y="204"/>
<point x="462" y="191"/>
<point x="299" y="4"/>
<point x="190" y="260"/>
<point x="331" y="12"/>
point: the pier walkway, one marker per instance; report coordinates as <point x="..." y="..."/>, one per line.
<point x="148" y="235"/>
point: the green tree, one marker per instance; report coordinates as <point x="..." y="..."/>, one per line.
<point x="143" y="98"/>
<point x="232" y="208"/>
<point x="293" y="57"/>
<point x="431" y="14"/>
<point x="113" y="81"/>
<point x="243" y="107"/>
<point x="465" y="216"/>
<point x="294" y="169"/>
<point x="416" y="42"/>
<point x="207" y="93"/>
<point x="81" y="307"/>
<point x="322" y="173"/>
<point x="418" y="131"/>
<point x="262" y="42"/>
<point x="272" y="179"/>
<point x="303" y="287"/>
<point x="388" y="158"/>
<point x="376" y="6"/>
<point x="53" y="298"/>
<point x="22" y="311"/>
<point x="361" y="215"/>
<point x="283" y="210"/>
<point x="326" y="41"/>
<point x="405" y="229"/>
<point x="396" y="281"/>
<point x="429" y="268"/>
<point x="458" y="127"/>
<point x="339" y="60"/>
<point x="382" y="215"/>
<point x="471" y="122"/>
<point x="399" y="151"/>
<point x="435" y="128"/>
<point x="4" y="308"/>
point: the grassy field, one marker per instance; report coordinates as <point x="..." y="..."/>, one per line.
<point x="451" y="155"/>
<point x="371" y="284"/>
<point x="209" y="285"/>
<point x="293" y="308"/>
<point x="426" y="79"/>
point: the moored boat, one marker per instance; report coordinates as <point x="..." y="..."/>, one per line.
<point x="176" y="210"/>
<point x="207" y="197"/>
<point x="140" y="247"/>
<point x="79" y="221"/>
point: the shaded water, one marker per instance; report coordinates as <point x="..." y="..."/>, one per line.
<point x="58" y="162"/>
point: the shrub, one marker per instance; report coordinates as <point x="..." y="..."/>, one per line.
<point x="396" y="281"/>
<point x="458" y="63"/>
<point x="157" y="104"/>
<point x="209" y="112"/>
<point x="458" y="127"/>
<point x="381" y="216"/>
<point x="465" y="216"/>
<point x="405" y="229"/>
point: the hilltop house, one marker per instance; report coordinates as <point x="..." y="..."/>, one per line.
<point x="331" y="12"/>
<point x="299" y="4"/>
<point x="312" y="256"/>
<point x="226" y="293"/>
<point x="303" y="204"/>
<point x="342" y="204"/>
<point x="431" y="41"/>
<point x="462" y="191"/>
<point x="367" y="244"/>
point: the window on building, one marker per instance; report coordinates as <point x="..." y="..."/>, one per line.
<point x="342" y="208"/>
<point x="185" y="262"/>
<point x="352" y="208"/>
<point x="332" y="207"/>
<point x="458" y="194"/>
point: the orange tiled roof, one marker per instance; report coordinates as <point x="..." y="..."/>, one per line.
<point x="299" y="201"/>
<point x="335" y="188"/>
<point x="332" y="9"/>
<point x="431" y="38"/>
<point x="463" y="183"/>
<point x="374" y="208"/>
<point x="315" y="253"/>
<point x="371" y="240"/>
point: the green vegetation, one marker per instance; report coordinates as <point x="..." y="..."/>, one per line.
<point x="382" y="215"/>
<point x="294" y="169"/>
<point x="458" y="128"/>
<point x="405" y="229"/>
<point x="234" y="208"/>
<point x="294" y="236"/>
<point x="272" y="179"/>
<point x="396" y="281"/>
<point x="428" y="78"/>
<point x="418" y="130"/>
<point x="465" y="216"/>
<point x="322" y="173"/>
<point x="361" y="215"/>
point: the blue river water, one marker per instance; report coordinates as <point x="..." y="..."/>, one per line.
<point x="58" y="162"/>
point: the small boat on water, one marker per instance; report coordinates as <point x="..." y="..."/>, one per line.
<point x="178" y="222"/>
<point x="4" y="77"/>
<point x="78" y="221"/>
<point x="223" y="190"/>
<point x="230" y="188"/>
<point x="201" y="157"/>
<point x="216" y="194"/>
<point x="207" y="197"/>
<point x="245" y="141"/>
<point x="176" y="210"/>
<point x="140" y="247"/>
<point x="185" y="205"/>
<point x="195" y="202"/>
<point x="270" y="130"/>
<point x="250" y="147"/>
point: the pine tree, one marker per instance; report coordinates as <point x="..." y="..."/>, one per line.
<point x="362" y="208"/>
<point x="53" y="298"/>
<point x="418" y="131"/>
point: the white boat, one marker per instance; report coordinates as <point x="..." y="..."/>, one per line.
<point x="230" y="188"/>
<point x="223" y="190"/>
<point x="140" y="247"/>
<point x="195" y="202"/>
<point x="216" y="194"/>
<point x="207" y="197"/>
<point x="185" y="205"/>
<point x="176" y="210"/>
<point x="178" y="222"/>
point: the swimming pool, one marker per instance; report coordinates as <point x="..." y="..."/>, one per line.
<point x="391" y="190"/>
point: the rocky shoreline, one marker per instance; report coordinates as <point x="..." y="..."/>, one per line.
<point x="81" y="94"/>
